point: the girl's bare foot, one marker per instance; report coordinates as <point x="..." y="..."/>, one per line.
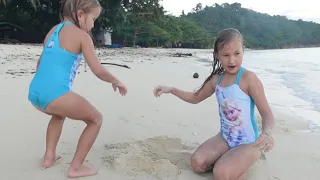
<point x="49" y="161"/>
<point x="81" y="172"/>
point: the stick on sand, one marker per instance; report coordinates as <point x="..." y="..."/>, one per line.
<point x="125" y="66"/>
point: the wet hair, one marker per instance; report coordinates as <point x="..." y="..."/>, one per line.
<point x="224" y="37"/>
<point x="70" y="8"/>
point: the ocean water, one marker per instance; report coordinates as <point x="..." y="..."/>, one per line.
<point x="291" y="78"/>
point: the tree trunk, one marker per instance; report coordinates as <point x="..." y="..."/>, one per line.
<point x="134" y="38"/>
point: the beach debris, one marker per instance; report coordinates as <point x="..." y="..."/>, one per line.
<point x="114" y="64"/>
<point x="195" y="75"/>
<point x="125" y="66"/>
<point x="20" y="72"/>
<point x="195" y="134"/>
<point x="181" y="54"/>
<point x="263" y="156"/>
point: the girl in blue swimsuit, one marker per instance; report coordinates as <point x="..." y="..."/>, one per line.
<point x="238" y="145"/>
<point x="50" y="90"/>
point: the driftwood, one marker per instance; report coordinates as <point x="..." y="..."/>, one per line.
<point x="9" y="26"/>
<point x="182" y="54"/>
<point x="125" y="66"/>
<point x="114" y="64"/>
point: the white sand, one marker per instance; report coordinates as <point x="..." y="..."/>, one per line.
<point x="142" y="137"/>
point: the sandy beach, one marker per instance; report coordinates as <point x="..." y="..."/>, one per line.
<point x="142" y="137"/>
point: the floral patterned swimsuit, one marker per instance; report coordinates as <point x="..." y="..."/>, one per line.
<point x="236" y="110"/>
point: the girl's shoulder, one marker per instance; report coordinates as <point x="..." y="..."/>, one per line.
<point x="72" y="32"/>
<point x="249" y="76"/>
<point x="49" y="34"/>
<point x="250" y="81"/>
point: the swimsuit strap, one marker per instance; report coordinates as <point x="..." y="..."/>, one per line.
<point x="239" y="75"/>
<point x="219" y="79"/>
<point x="59" y="27"/>
<point x="237" y="78"/>
<point x="55" y="36"/>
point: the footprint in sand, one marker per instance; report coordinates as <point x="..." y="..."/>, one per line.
<point x="181" y="125"/>
<point x="123" y="119"/>
<point x="160" y="157"/>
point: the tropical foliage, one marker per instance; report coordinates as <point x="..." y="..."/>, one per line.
<point x="146" y="23"/>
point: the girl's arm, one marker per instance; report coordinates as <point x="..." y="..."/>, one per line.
<point x="93" y="62"/>
<point x="191" y="97"/>
<point x="38" y="62"/>
<point x="256" y="91"/>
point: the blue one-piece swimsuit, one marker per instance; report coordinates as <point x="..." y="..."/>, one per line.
<point x="56" y="72"/>
<point x="236" y="110"/>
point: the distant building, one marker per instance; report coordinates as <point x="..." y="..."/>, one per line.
<point x="104" y="37"/>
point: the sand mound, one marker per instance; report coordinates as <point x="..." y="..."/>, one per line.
<point x="160" y="157"/>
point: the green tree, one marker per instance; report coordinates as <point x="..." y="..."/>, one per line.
<point x="145" y="23"/>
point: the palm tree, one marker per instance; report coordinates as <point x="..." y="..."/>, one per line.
<point x="33" y="2"/>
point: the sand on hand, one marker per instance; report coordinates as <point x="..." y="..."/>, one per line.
<point x="161" y="157"/>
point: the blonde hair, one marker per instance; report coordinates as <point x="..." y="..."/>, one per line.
<point x="70" y="8"/>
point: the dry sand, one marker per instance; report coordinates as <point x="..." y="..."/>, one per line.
<point x="142" y="137"/>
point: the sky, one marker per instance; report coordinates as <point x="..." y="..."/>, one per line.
<point x="307" y="10"/>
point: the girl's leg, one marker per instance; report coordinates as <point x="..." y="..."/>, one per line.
<point x="76" y="107"/>
<point x="53" y="135"/>
<point x="208" y="153"/>
<point x="234" y="164"/>
<point x="244" y="176"/>
<point x="54" y="130"/>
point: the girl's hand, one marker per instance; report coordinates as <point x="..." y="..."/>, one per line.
<point x="161" y="89"/>
<point x="121" y="87"/>
<point x="264" y="143"/>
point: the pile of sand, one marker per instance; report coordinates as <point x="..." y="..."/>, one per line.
<point x="160" y="157"/>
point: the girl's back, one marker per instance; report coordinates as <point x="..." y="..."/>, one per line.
<point x="60" y="58"/>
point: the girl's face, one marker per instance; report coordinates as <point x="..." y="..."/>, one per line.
<point x="230" y="56"/>
<point x="86" y="20"/>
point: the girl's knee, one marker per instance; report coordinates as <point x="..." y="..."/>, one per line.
<point x="96" y="119"/>
<point x="99" y="119"/>
<point x="60" y="118"/>
<point x="221" y="173"/>
<point x="198" y="164"/>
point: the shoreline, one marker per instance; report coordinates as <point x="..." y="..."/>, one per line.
<point x="287" y="47"/>
<point x="308" y="115"/>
